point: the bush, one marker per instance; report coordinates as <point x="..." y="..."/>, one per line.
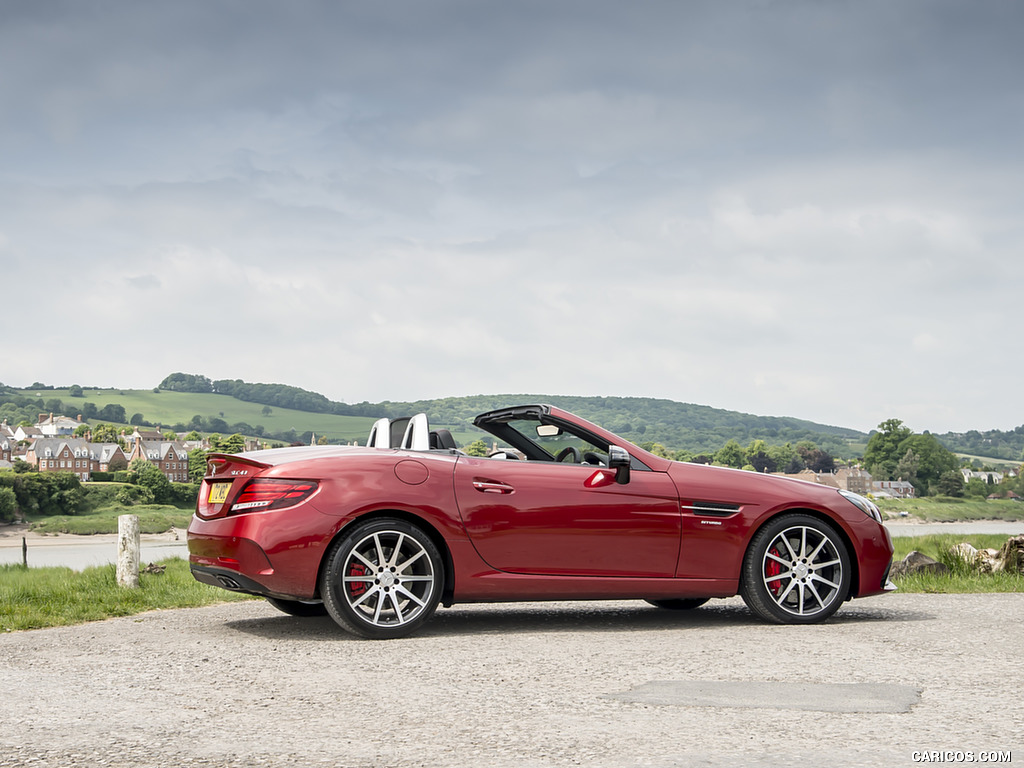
<point x="121" y="476"/>
<point x="184" y="494"/>
<point x="141" y="472"/>
<point x="134" y="494"/>
<point x="102" y="477"/>
<point x="8" y="505"/>
<point x="45" y="493"/>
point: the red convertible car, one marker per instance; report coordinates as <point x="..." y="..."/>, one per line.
<point x="377" y="536"/>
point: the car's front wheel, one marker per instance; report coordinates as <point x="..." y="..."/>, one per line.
<point x="796" y="571"/>
<point x="383" y="579"/>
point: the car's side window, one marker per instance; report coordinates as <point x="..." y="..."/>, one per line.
<point x="557" y="444"/>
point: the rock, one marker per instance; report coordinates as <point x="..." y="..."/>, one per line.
<point x="154" y="568"/>
<point x="1011" y="556"/>
<point x="915" y="562"/>
<point x="983" y="560"/>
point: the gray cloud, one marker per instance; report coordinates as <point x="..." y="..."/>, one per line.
<point x="778" y="207"/>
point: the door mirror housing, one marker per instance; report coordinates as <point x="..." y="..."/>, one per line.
<point x="619" y="460"/>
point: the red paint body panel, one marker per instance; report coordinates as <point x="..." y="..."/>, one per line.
<point x="521" y="530"/>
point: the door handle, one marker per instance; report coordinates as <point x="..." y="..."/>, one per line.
<point x="491" y="486"/>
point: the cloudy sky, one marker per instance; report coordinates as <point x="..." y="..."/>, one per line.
<point x="800" y="208"/>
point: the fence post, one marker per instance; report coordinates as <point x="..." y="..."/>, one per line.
<point x="24" y="552"/>
<point x="128" y="544"/>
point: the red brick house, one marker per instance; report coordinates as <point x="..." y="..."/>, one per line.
<point x="73" y="454"/>
<point x="170" y="457"/>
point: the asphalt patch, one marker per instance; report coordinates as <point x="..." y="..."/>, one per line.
<point x="812" y="697"/>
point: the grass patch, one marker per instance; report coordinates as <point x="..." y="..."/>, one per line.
<point x="153" y="518"/>
<point x="33" y="598"/>
<point x="961" y="579"/>
<point x="943" y="509"/>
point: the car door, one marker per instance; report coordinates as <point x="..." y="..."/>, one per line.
<point x="539" y="517"/>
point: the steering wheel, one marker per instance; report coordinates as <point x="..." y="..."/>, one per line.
<point x="569" y="450"/>
<point x="590" y="457"/>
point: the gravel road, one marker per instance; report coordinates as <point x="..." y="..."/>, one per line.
<point x="537" y="684"/>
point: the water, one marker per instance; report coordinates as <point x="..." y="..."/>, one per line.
<point x="81" y="555"/>
<point x="981" y="526"/>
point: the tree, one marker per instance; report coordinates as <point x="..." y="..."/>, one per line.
<point x="476" y="448"/>
<point x="933" y="460"/>
<point x="136" y="419"/>
<point x="75" y="391"/>
<point x="107" y="433"/>
<point x="8" y="505"/>
<point x="730" y="455"/>
<point x="266" y="410"/>
<point x="196" y="464"/>
<point x="786" y="458"/>
<point x="186" y="382"/>
<point x="883" y="450"/>
<point x="950" y="483"/>
<point x="141" y="472"/>
<point x="81" y="430"/>
<point x="170" y="434"/>
<point x="908" y="466"/>
<point x="112" y="412"/>
<point x="233" y="444"/>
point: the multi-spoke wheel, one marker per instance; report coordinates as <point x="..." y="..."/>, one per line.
<point x="797" y="571"/>
<point x="383" y="579"/>
<point x="679" y="603"/>
<point x="298" y="607"/>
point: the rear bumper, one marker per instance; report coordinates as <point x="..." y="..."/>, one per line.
<point x="261" y="552"/>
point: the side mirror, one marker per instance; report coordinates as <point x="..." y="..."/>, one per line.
<point x="619" y="460"/>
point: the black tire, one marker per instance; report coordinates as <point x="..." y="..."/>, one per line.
<point x="679" y="603"/>
<point x="383" y="579"/>
<point x="796" y="571"/>
<point x="297" y="607"/>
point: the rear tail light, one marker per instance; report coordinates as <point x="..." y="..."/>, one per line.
<point x="268" y="493"/>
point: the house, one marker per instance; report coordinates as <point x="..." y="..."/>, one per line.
<point x="6" y="448"/>
<point x="73" y="454"/>
<point x="855" y="479"/>
<point x="147" y="435"/>
<point x="55" y="426"/>
<point x="61" y="454"/>
<point x="995" y="478"/>
<point x="899" y="489"/>
<point x="27" y="433"/>
<point x="169" y="456"/>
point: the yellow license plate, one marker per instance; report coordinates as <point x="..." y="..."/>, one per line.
<point x="218" y="493"/>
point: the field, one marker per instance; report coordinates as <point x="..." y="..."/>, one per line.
<point x="168" y="408"/>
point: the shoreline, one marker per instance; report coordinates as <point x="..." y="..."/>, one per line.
<point x="11" y="536"/>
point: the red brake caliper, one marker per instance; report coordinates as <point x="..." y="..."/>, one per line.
<point x="356" y="588"/>
<point x="773" y="568"/>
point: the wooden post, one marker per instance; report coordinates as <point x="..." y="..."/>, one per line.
<point x="128" y="544"/>
<point x="24" y="552"/>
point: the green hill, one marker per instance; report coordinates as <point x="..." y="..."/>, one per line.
<point x="677" y="426"/>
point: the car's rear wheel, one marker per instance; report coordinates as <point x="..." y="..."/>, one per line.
<point x="796" y="571"/>
<point x="298" y="607"/>
<point x="680" y="603"/>
<point x="383" y="579"/>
